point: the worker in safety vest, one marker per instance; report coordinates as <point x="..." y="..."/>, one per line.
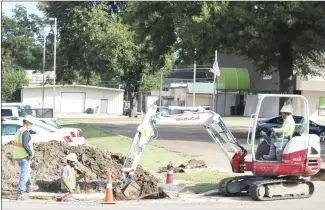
<point x="69" y="175"/>
<point x="23" y="154"/>
<point x="287" y="130"/>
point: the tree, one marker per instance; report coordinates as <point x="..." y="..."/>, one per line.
<point x="152" y="81"/>
<point x="12" y="81"/>
<point x="20" y="42"/>
<point x="92" y="80"/>
<point x="79" y="46"/>
<point x="277" y="36"/>
<point x="94" y="40"/>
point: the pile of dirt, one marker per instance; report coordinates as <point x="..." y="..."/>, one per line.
<point x="50" y="159"/>
<point x="320" y="176"/>
<point x="191" y="164"/>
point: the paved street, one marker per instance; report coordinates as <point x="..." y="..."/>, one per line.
<point x="241" y="203"/>
<point x="191" y="141"/>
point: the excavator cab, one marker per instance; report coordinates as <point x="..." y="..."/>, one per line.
<point x="301" y="151"/>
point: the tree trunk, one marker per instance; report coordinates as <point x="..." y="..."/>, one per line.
<point x="133" y="104"/>
<point x="286" y="72"/>
<point x="141" y="104"/>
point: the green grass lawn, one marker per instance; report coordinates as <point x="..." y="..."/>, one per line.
<point x="199" y="188"/>
<point x="63" y="121"/>
<point x="153" y="158"/>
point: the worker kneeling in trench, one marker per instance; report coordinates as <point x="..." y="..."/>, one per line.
<point x="69" y="175"/>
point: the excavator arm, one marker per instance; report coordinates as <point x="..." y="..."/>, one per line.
<point x="211" y="121"/>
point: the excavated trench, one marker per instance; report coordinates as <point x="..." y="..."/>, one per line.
<point x="50" y="159"/>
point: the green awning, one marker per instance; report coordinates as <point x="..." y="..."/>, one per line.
<point x="233" y="79"/>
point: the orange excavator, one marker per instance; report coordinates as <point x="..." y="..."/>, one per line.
<point x="287" y="178"/>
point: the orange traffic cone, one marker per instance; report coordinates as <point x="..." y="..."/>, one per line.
<point x="109" y="190"/>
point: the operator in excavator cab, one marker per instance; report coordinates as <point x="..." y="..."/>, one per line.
<point x="287" y="130"/>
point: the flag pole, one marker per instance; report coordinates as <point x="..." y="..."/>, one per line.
<point x="214" y="86"/>
<point x="214" y="93"/>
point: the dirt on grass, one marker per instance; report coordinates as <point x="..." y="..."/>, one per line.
<point x="191" y="164"/>
<point x="49" y="160"/>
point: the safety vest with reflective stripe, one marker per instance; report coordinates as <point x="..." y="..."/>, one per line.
<point x="288" y="127"/>
<point x="19" y="151"/>
<point x="71" y="179"/>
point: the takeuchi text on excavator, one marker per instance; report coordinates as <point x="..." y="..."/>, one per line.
<point x="287" y="178"/>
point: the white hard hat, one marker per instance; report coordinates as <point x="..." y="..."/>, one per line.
<point x="286" y="109"/>
<point x="30" y="119"/>
<point x="72" y="157"/>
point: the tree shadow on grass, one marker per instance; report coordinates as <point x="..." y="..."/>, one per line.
<point x="200" y="188"/>
<point x="203" y="188"/>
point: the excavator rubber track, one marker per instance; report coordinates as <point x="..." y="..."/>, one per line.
<point x="256" y="187"/>
<point x="261" y="188"/>
<point x="223" y="184"/>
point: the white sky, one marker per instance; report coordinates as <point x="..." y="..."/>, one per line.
<point x="7" y="7"/>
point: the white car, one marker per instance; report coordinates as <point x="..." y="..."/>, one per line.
<point x="53" y="125"/>
<point x="38" y="133"/>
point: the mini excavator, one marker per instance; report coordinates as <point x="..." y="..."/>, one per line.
<point x="288" y="178"/>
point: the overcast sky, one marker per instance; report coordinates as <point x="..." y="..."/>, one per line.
<point x="7" y="7"/>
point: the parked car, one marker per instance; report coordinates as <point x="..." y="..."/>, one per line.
<point x="276" y="122"/>
<point x="39" y="132"/>
<point x="53" y="125"/>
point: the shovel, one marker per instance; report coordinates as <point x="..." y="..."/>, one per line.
<point x="85" y="183"/>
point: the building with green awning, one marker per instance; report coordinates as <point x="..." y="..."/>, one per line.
<point x="231" y="88"/>
<point x="233" y="79"/>
<point x="238" y="78"/>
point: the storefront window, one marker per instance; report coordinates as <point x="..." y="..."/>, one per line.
<point x="322" y="106"/>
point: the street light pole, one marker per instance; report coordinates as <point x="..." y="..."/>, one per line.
<point x="194" y="77"/>
<point x="54" y="65"/>
<point x="160" y="92"/>
<point x="44" y="42"/>
<point x="214" y="82"/>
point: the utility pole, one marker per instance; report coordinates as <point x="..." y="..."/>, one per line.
<point x="214" y="82"/>
<point x="160" y="91"/>
<point x="44" y="42"/>
<point x="54" y="65"/>
<point x="194" y="77"/>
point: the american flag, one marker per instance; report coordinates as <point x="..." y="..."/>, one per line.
<point x="215" y="68"/>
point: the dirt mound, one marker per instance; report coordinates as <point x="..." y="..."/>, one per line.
<point x="191" y="164"/>
<point x="320" y="176"/>
<point x="50" y="159"/>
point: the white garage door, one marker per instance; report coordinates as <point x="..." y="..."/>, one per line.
<point x="73" y="102"/>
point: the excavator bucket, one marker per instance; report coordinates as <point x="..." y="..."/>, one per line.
<point x="131" y="191"/>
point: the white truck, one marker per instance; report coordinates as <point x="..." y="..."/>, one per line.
<point x="17" y="110"/>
